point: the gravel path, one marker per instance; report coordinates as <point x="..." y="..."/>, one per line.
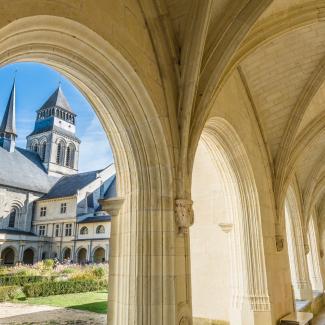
<point x="23" y="314"/>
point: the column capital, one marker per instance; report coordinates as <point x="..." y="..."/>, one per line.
<point x="184" y="215"/>
<point x="112" y="205"/>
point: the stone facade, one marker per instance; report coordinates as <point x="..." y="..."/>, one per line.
<point x="58" y="215"/>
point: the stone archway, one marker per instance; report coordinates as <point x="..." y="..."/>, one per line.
<point x="141" y="153"/>
<point x="99" y="255"/>
<point x="82" y="256"/>
<point x="8" y="256"/>
<point x="28" y="256"/>
<point x="227" y="213"/>
<point x="66" y="255"/>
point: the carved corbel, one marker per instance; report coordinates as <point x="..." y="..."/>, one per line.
<point x="279" y="241"/>
<point x="112" y="206"/>
<point x="184" y="215"/>
<point x="279" y="238"/>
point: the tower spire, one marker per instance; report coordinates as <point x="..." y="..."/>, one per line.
<point x="8" y="125"/>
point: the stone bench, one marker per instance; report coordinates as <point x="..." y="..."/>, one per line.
<point x="297" y="318"/>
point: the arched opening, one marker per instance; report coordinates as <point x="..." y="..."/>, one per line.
<point x="66" y="254"/>
<point x="99" y="255"/>
<point x="226" y="240"/>
<point x="82" y="256"/>
<point x="140" y="148"/>
<point x="28" y="257"/>
<point x="8" y="256"/>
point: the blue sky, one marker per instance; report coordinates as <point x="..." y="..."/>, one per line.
<point x="34" y="84"/>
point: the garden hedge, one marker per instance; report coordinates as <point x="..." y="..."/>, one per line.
<point x="44" y="289"/>
<point x="19" y="280"/>
<point x="8" y="292"/>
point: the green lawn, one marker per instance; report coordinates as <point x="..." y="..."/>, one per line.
<point x="91" y="301"/>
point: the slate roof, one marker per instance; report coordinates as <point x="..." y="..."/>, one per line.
<point x="16" y="232"/>
<point x="94" y="218"/>
<point x="70" y="184"/>
<point x="57" y="99"/>
<point x="8" y="123"/>
<point x="23" y="169"/>
<point x="111" y="191"/>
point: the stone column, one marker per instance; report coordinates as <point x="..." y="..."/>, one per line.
<point x="112" y="206"/>
<point x="298" y="259"/>
<point x="21" y="252"/>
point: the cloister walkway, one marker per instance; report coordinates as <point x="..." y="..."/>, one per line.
<point x="23" y="314"/>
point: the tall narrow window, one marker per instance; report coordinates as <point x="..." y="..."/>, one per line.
<point x="41" y="230"/>
<point x="35" y="147"/>
<point x="12" y="218"/>
<point x="57" y="230"/>
<point x="67" y="161"/>
<point x="70" y="153"/>
<point x="68" y="229"/>
<point x="59" y="154"/>
<point x="43" y="212"/>
<point x="63" y="208"/>
<point x="43" y="151"/>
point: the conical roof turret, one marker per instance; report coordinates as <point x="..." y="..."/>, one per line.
<point x="8" y="124"/>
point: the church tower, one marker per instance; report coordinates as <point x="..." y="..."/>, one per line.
<point x="54" y="137"/>
<point x="8" y="125"/>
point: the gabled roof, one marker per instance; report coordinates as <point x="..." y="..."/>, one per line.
<point x="57" y="99"/>
<point x="23" y="169"/>
<point x="8" y="123"/>
<point x="70" y="184"/>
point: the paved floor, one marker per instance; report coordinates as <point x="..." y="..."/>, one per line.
<point x="22" y="314"/>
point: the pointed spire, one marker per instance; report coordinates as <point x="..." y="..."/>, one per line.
<point x="57" y="99"/>
<point x="8" y="124"/>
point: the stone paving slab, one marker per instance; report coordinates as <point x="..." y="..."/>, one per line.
<point x="23" y="314"/>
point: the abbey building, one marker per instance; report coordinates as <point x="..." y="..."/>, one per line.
<point x="47" y="208"/>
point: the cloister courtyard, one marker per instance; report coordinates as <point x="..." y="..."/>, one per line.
<point x="214" y="209"/>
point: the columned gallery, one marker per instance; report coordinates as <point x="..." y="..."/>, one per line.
<point x="215" y="110"/>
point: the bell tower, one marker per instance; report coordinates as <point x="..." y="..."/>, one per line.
<point x="54" y="136"/>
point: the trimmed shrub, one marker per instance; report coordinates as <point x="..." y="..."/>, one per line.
<point x="8" y="292"/>
<point x="44" y="289"/>
<point x="9" y="280"/>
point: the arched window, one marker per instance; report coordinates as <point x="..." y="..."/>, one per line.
<point x="100" y="229"/>
<point x="43" y="151"/>
<point x="12" y="218"/>
<point x="84" y="231"/>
